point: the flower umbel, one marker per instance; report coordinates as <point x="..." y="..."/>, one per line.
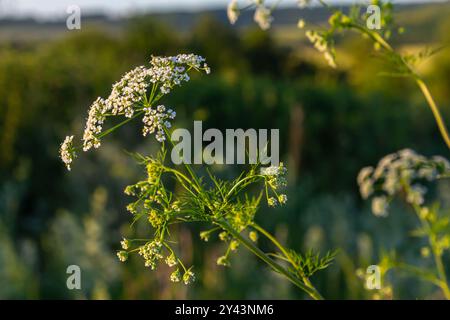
<point x="136" y="94"/>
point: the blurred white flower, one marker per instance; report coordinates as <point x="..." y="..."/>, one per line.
<point x="233" y="11"/>
<point x="379" y="206"/>
<point x="263" y="17"/>
<point x="404" y="171"/>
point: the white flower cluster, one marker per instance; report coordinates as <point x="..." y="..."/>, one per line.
<point x="403" y="171"/>
<point x="128" y="92"/>
<point x="303" y="3"/>
<point x="275" y="177"/>
<point x="172" y="71"/>
<point x="156" y="119"/>
<point x="321" y="44"/>
<point x="262" y="16"/>
<point x="67" y="152"/>
<point x="151" y="252"/>
<point x="94" y="124"/>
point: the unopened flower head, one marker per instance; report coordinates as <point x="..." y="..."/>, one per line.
<point x="67" y="151"/>
<point x="272" y="202"/>
<point x="122" y="255"/>
<point x="253" y="235"/>
<point x="175" y="276"/>
<point x="234" y="244"/>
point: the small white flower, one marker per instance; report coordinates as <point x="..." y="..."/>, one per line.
<point x="364" y="174"/>
<point x="301" y="24"/>
<point x="188" y="277"/>
<point x="122" y="255"/>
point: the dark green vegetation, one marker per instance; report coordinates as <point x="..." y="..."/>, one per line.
<point x="332" y="124"/>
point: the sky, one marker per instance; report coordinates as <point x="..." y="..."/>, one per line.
<point x="47" y="9"/>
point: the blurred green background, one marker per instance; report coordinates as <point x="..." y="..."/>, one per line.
<point x="332" y="123"/>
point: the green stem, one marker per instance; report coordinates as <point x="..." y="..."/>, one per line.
<point x="188" y="167"/>
<point x="434" y="108"/>
<point x="441" y="272"/>
<point x="436" y="255"/>
<point x="106" y="132"/>
<point x="283" y="250"/>
<point x="423" y="87"/>
<point x="275" y="266"/>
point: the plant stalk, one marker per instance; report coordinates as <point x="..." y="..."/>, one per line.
<point x="311" y="291"/>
